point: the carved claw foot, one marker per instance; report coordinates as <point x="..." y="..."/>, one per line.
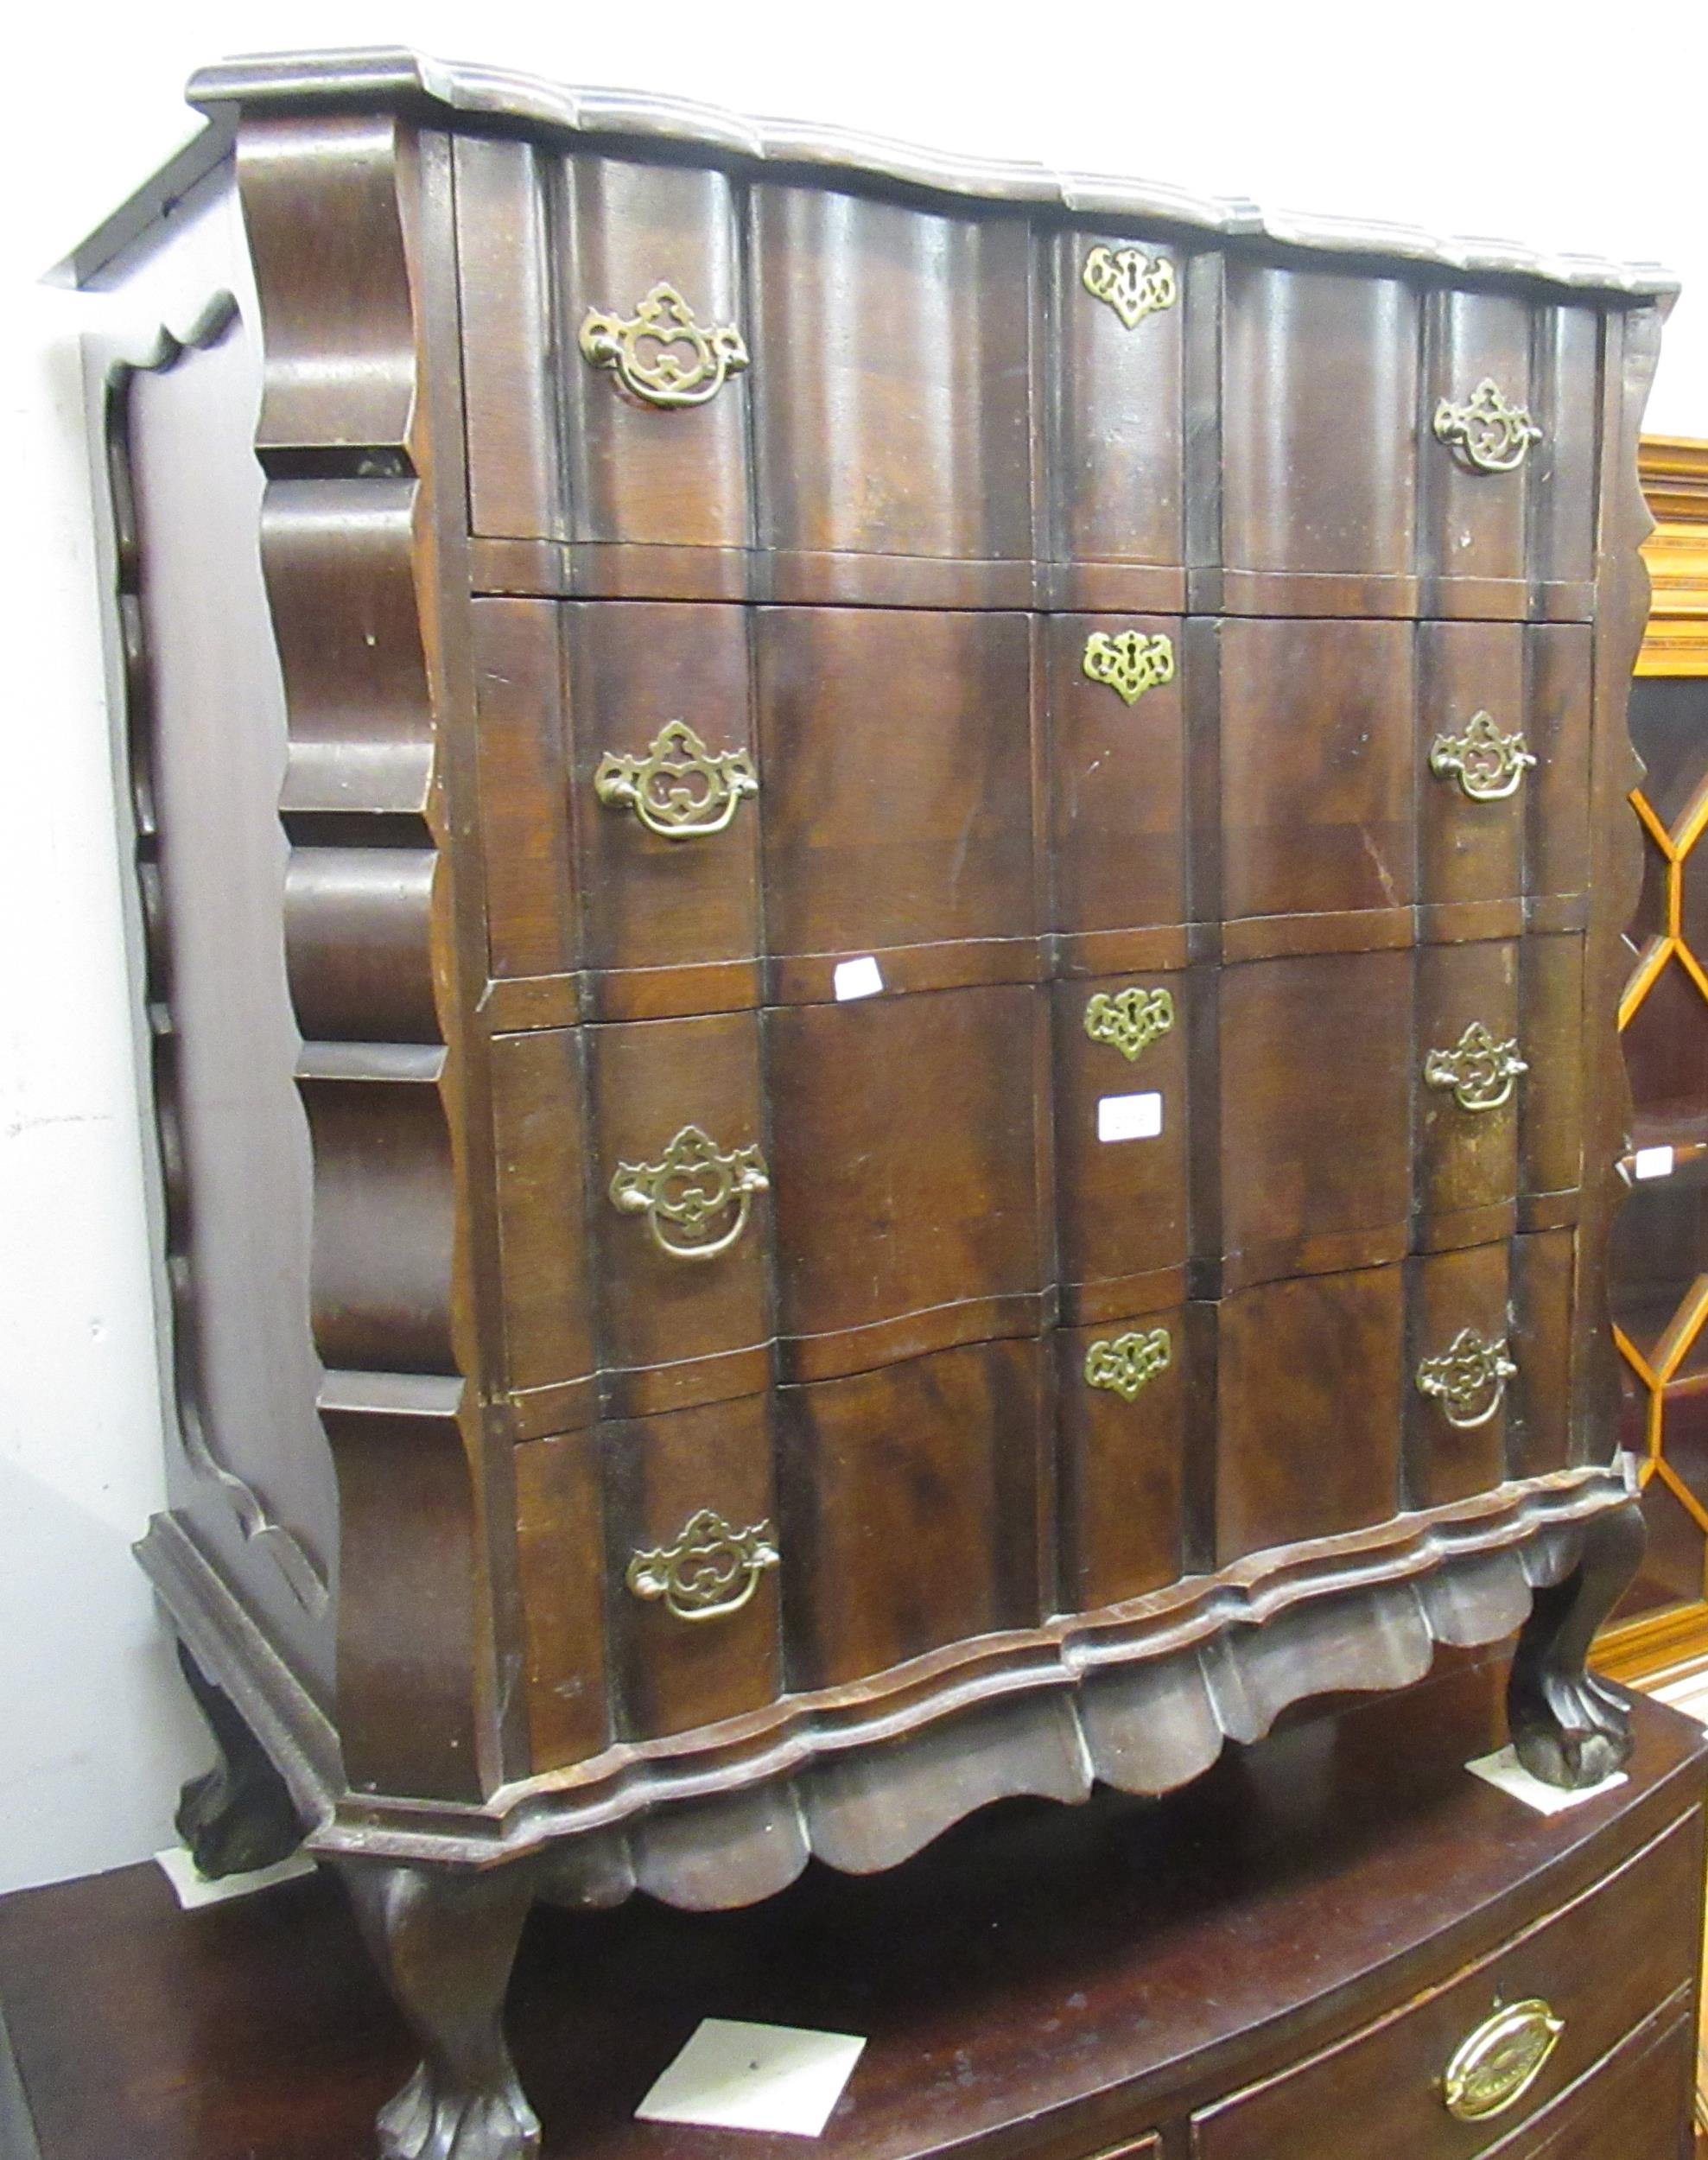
<point x="238" y="1815"/>
<point x="1568" y="1728"/>
<point x="444" y="1938"/>
<point x="425" y="2123"/>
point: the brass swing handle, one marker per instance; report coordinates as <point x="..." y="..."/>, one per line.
<point x="1469" y="1379"/>
<point x="689" y="1192"/>
<point x="1488" y="432"/>
<point x="1479" y="1070"/>
<point x="680" y="789"/>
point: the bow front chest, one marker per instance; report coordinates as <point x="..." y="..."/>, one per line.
<point x="883" y="910"/>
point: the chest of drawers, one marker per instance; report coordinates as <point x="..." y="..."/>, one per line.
<point x="932" y="1045"/>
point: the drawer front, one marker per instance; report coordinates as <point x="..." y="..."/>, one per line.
<point x="693" y="1568"/>
<point x="1123" y="1395"/>
<point x="1121" y="1061"/>
<point x="1602" y="1965"/>
<point x="912" y="1513"/>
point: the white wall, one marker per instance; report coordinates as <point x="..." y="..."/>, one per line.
<point x="1543" y="125"/>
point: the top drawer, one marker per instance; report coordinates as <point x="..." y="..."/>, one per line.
<point x="1599" y="1966"/>
<point x="701" y="386"/>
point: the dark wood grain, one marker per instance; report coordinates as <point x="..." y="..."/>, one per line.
<point x="1045" y="1981"/>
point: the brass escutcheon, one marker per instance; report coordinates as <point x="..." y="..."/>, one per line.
<point x="661" y="354"/>
<point x="1480" y="1070"/>
<point x="1125" y="1363"/>
<point x="1495" y="2066"/>
<point x="710" y="1571"/>
<point x="1133" y="283"/>
<point x="1469" y="1379"/>
<point x="1129" y="1018"/>
<point x="687" y="1190"/>
<point x="1487" y="765"/>
<point x="1128" y="662"/>
<point x="680" y="789"/>
<point x="1488" y="433"/>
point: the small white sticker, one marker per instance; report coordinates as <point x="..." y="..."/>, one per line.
<point x="860" y="978"/>
<point x="1506" y="1774"/>
<point x="192" y="1888"/>
<point x="732" y="2075"/>
<point x="1652" y="1162"/>
<point x="1129" y="1116"/>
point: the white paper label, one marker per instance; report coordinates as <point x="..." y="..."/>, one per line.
<point x="1506" y="1774"/>
<point x="192" y="1888"/>
<point x="1129" y="1116"/>
<point x="860" y="978"/>
<point x="1652" y="1162"/>
<point x="732" y="2075"/>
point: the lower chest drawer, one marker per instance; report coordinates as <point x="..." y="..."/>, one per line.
<point x="1466" y="2064"/>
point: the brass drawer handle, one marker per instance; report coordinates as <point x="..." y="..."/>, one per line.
<point x="709" y="1572"/>
<point x="1469" y="1379"/>
<point x="1488" y="432"/>
<point x="680" y="789"/>
<point x="689" y="1191"/>
<point x="1126" y="1363"/>
<point x="1128" y="1019"/>
<point x="1495" y="2066"/>
<point x="1480" y="1070"/>
<point x="1128" y="662"/>
<point x="1487" y="765"/>
<point x="660" y="353"/>
<point x="1133" y="283"/>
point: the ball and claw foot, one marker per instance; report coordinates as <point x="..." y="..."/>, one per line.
<point x="444" y="1938"/>
<point x="1569" y="1729"/>
<point x="424" y="2123"/>
<point x="239" y="1815"/>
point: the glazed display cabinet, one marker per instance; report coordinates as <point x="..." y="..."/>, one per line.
<point x="884" y="903"/>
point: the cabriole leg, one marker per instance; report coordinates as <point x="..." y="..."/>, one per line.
<point x="445" y="1939"/>
<point x="1568" y="1728"/>
<point x="239" y="1815"/>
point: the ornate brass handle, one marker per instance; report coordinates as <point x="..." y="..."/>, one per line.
<point x="1488" y="432"/>
<point x="1128" y="1019"/>
<point x="1133" y="283"/>
<point x="1124" y="1363"/>
<point x="680" y="789"/>
<point x="1495" y="2066"/>
<point x="1487" y="765"/>
<point x="1128" y="662"/>
<point x="660" y="353"/>
<point x="688" y="1192"/>
<point x="710" y="1571"/>
<point x="1480" y="1070"/>
<point x="1469" y="1379"/>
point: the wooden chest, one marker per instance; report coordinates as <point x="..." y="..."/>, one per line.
<point x="949" y="923"/>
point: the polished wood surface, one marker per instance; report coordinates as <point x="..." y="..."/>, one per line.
<point x="902" y="1212"/>
<point x="1045" y="1981"/>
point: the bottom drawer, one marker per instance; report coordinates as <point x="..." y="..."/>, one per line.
<point x="1601" y="1964"/>
<point x="1634" y="2105"/>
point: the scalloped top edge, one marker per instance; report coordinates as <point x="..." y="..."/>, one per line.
<point x="387" y="76"/>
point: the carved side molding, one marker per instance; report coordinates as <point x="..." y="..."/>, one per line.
<point x="296" y="1564"/>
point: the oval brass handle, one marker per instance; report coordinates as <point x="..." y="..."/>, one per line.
<point x="686" y="1193"/>
<point x="709" y="1572"/>
<point x="680" y="787"/>
<point x="1480" y="1070"/>
<point x="1125" y="1363"/>
<point x="1128" y="1019"/>
<point x="1487" y="765"/>
<point x="1488" y="432"/>
<point x="1495" y="2066"/>
<point x="1469" y="1379"/>
<point x="660" y="353"/>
